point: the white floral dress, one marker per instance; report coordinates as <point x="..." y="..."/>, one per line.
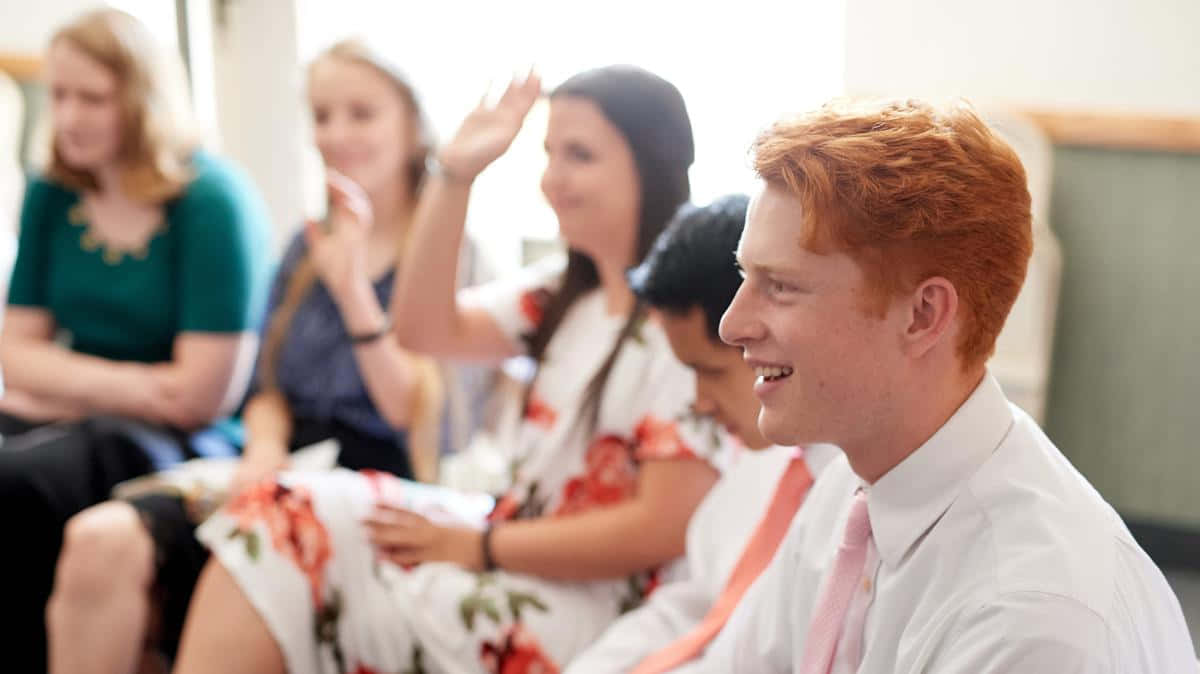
<point x="300" y="553"/>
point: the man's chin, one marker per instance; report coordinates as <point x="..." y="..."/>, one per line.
<point x="776" y="429"/>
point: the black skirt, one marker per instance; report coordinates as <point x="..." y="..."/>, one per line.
<point x="48" y="474"/>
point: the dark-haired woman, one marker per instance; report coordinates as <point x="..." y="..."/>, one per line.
<point x="607" y="464"/>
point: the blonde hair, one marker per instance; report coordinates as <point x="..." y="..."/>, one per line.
<point x="428" y="390"/>
<point x="159" y="132"/>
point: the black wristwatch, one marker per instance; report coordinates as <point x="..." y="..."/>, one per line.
<point x="367" y="338"/>
<point x="485" y="542"/>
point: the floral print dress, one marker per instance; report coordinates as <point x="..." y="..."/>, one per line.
<point x="298" y="550"/>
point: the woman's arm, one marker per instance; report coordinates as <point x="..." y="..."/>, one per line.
<point x="37" y="409"/>
<point x="45" y="381"/>
<point x="223" y="240"/>
<point x="191" y="390"/>
<point x="641" y="533"/>
<point x="398" y="383"/>
<point x="426" y="278"/>
<point x="268" y="423"/>
<point x="426" y="283"/>
<point x="340" y="259"/>
<point x="638" y="534"/>
<point x="221" y="226"/>
<point x="206" y="376"/>
<point x="386" y="368"/>
<point x="400" y="386"/>
<point x="37" y="367"/>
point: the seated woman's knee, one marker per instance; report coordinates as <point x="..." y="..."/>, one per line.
<point x="104" y="546"/>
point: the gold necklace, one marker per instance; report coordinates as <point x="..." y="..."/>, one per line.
<point x="112" y="254"/>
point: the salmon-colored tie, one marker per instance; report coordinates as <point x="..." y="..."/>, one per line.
<point x="789" y="494"/>
<point x="826" y="627"/>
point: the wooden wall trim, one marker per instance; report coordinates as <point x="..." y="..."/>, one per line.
<point x="22" y="67"/>
<point x="1119" y="131"/>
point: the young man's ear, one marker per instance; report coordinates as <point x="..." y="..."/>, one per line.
<point x="932" y="308"/>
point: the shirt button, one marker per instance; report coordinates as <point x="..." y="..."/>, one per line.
<point x="866" y="584"/>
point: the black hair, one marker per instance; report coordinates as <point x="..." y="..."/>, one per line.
<point x="692" y="263"/>
<point x="650" y="113"/>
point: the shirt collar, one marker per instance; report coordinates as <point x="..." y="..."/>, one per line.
<point x="907" y="501"/>
<point x="818" y="456"/>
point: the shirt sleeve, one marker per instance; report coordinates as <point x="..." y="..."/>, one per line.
<point x="517" y="303"/>
<point x="27" y="286"/>
<point x="1026" y="632"/>
<point x="669" y="614"/>
<point x="760" y="630"/>
<point x="223" y="253"/>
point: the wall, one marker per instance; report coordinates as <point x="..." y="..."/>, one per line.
<point x="1091" y="53"/>
<point x="1125" y="382"/>
<point x="25" y="26"/>
<point x="1125" y="389"/>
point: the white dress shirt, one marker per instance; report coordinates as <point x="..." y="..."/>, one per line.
<point x="716" y="536"/>
<point x="989" y="553"/>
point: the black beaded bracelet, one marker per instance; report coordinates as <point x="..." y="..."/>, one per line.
<point x="373" y="336"/>
<point x="485" y="544"/>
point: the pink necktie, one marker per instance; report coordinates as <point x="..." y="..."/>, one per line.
<point x="826" y="627"/>
<point x="789" y="494"/>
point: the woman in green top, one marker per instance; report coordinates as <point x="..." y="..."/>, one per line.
<point x="139" y="281"/>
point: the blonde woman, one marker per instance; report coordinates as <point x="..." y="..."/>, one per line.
<point x="329" y="368"/>
<point x="129" y="331"/>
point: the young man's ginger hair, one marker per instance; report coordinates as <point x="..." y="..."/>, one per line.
<point x="910" y="191"/>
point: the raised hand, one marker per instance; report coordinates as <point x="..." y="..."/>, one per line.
<point x="489" y="130"/>
<point x="339" y="252"/>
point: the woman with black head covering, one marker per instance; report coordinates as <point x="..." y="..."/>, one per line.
<point x="353" y="572"/>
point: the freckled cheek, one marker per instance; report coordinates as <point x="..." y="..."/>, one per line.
<point x="808" y="341"/>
